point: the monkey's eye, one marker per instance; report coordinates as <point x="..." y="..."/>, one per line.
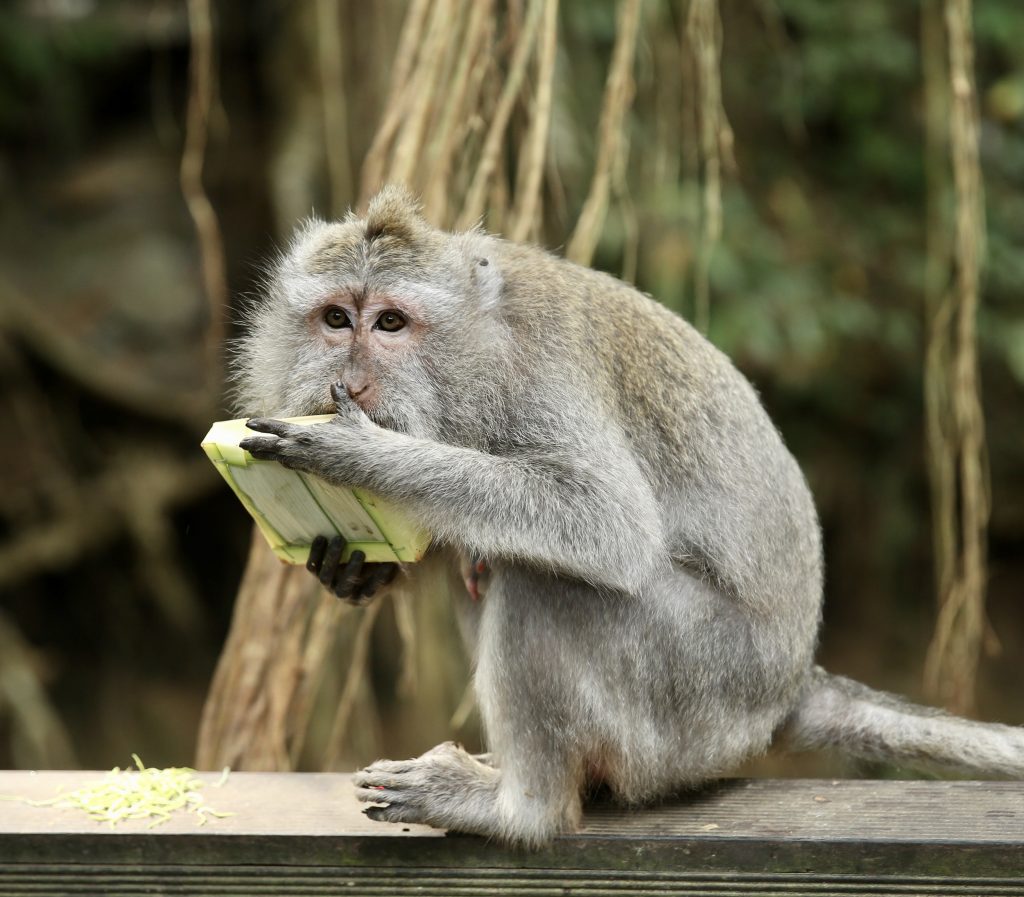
<point x="390" y="321"/>
<point x="335" y="317"/>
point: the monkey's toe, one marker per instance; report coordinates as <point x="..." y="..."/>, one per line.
<point x="393" y="813"/>
<point x="379" y="794"/>
<point x="382" y="773"/>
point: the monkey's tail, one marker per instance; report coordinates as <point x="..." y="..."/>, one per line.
<point x="835" y="712"/>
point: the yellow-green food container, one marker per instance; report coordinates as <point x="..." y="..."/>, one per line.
<point x="293" y="508"/>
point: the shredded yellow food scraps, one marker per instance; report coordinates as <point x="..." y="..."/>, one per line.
<point x="139" y="794"/>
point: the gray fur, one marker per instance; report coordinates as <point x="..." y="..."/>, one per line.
<point x="655" y="583"/>
<point x="836" y="712"/>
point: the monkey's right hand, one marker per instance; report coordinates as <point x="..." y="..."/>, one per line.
<point x="354" y="582"/>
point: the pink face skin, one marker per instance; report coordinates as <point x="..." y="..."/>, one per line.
<point x="373" y="329"/>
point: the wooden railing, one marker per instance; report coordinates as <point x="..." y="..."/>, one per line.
<point x="300" y="834"/>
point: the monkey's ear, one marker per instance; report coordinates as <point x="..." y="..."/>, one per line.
<point x="479" y="252"/>
<point x="394" y="212"/>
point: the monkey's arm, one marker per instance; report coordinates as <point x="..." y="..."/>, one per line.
<point x="582" y="510"/>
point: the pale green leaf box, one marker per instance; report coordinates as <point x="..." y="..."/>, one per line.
<point x="293" y="508"/>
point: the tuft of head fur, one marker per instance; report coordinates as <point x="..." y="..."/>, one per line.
<point x="395" y="212"/>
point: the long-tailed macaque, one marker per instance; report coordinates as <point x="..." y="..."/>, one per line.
<point x="654" y="559"/>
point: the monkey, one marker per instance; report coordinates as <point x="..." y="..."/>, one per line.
<point x="653" y="557"/>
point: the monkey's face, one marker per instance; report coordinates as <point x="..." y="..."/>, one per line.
<point x="373" y="333"/>
<point x="395" y="309"/>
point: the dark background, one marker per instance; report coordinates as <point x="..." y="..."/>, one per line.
<point x="120" y="551"/>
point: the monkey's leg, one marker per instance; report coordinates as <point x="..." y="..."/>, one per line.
<point x="533" y="791"/>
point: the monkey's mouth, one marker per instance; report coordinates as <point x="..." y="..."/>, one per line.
<point x="377" y="413"/>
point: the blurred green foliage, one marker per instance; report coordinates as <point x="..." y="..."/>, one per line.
<point x="46" y="75"/>
<point x="818" y="282"/>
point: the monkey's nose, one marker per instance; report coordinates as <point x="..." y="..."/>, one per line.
<point x="355" y="388"/>
<point x="360" y="390"/>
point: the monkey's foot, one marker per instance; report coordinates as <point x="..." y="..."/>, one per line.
<point x="445" y="788"/>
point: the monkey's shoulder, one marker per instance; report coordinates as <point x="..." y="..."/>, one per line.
<point x="543" y="287"/>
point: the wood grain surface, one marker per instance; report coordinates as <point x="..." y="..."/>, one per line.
<point x="306" y="834"/>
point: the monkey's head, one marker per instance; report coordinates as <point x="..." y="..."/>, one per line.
<point x="400" y="312"/>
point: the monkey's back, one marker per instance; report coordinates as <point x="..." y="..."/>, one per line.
<point x="735" y="504"/>
<point x="675" y="395"/>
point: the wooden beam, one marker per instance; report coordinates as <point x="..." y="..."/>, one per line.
<point x="305" y="834"/>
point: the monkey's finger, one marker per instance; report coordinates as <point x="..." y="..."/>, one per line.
<point x="329" y="565"/>
<point x="366" y="589"/>
<point x="344" y="404"/>
<point x="268" y="425"/>
<point x="316" y="554"/>
<point x="339" y="393"/>
<point x="381" y="576"/>
<point x="345" y="582"/>
<point x="283" y="458"/>
<point x="267" y="455"/>
<point x="260" y="445"/>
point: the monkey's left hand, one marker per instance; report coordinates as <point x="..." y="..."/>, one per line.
<point x="354" y="582"/>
